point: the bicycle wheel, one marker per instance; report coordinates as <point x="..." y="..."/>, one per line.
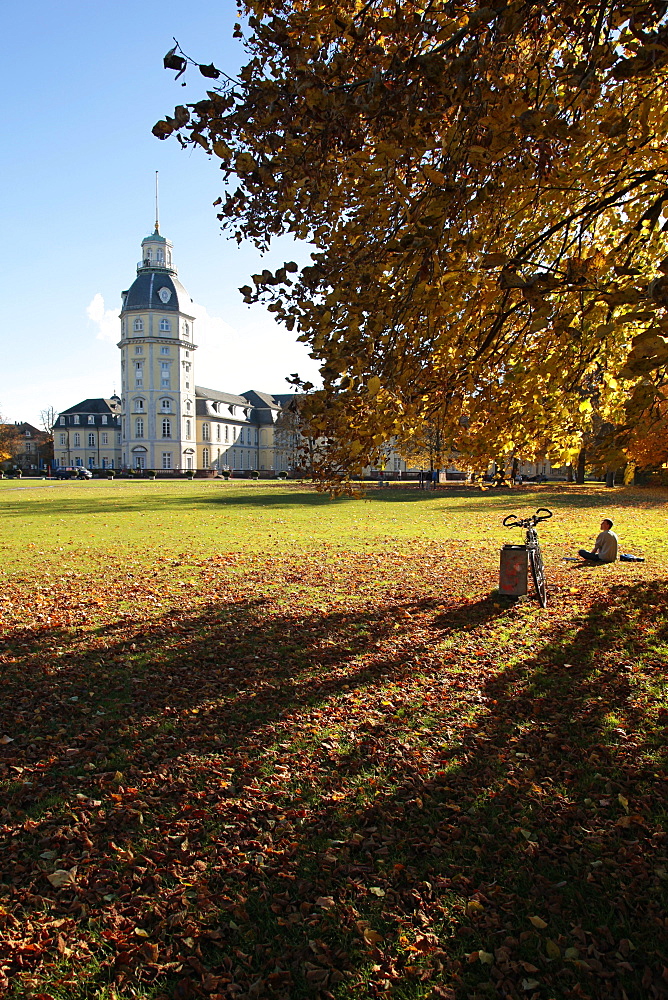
<point x="538" y="574"/>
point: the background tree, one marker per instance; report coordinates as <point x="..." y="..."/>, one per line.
<point x="10" y="442"/>
<point x="485" y="189"/>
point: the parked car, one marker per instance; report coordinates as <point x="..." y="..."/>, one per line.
<point x="76" y="473"/>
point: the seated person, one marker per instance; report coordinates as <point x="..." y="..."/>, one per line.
<point x="605" y="547"/>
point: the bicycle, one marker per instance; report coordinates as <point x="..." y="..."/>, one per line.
<point x="533" y="547"/>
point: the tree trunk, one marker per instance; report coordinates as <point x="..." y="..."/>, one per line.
<point x="610" y="477"/>
<point x="580" y="474"/>
<point x="569" y="474"/>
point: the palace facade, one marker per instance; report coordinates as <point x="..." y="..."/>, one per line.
<point x="162" y="420"/>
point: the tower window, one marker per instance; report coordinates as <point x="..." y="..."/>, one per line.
<point x="139" y="427"/>
<point x="138" y="325"/>
<point x="138" y="366"/>
<point x="166" y="405"/>
<point x="138" y="350"/>
<point x="139" y="404"/>
<point x="165" y="324"/>
<point x="164" y="350"/>
<point x="166" y="428"/>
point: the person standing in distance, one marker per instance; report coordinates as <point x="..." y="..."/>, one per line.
<point x="605" y="546"/>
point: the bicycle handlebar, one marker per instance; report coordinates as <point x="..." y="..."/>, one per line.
<point x="513" y="521"/>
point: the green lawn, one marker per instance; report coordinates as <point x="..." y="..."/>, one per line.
<point x="260" y="743"/>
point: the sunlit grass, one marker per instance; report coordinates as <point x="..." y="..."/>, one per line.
<point x="328" y="702"/>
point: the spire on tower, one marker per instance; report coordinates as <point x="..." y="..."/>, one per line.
<point x="157" y="214"/>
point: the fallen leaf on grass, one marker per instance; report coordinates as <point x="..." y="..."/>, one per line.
<point x="552" y="948"/>
<point x="538" y="922"/>
<point x="61" y="877"/>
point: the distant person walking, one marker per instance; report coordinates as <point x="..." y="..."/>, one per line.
<point x="605" y="546"/>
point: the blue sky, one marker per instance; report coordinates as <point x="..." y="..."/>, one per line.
<point x="83" y="86"/>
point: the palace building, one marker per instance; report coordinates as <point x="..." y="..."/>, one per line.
<point x="163" y="420"/>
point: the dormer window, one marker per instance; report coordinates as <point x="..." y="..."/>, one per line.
<point x="75" y="418"/>
<point x="91" y="420"/>
<point x="138" y="325"/>
<point x="104" y="418"/>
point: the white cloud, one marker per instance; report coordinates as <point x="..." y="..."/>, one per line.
<point x="258" y="355"/>
<point x="106" y="320"/>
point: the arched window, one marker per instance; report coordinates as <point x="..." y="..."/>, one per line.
<point x="139" y="427"/>
<point x="187" y="428"/>
<point x="138" y="325"/>
<point x="205" y="458"/>
<point x="205" y="432"/>
<point x="186" y="329"/>
<point x="91" y="420"/>
<point x="166" y="405"/>
<point x="188" y="405"/>
<point x="139" y="404"/>
<point x="165" y="324"/>
<point x="217" y="432"/>
<point x="166" y="428"/>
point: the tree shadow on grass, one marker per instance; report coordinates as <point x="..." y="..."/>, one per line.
<point x="387" y="852"/>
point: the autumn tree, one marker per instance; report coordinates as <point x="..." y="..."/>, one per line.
<point x="10" y="442"/>
<point x="484" y="186"/>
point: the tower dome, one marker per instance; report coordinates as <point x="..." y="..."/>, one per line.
<point x="156" y="285"/>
